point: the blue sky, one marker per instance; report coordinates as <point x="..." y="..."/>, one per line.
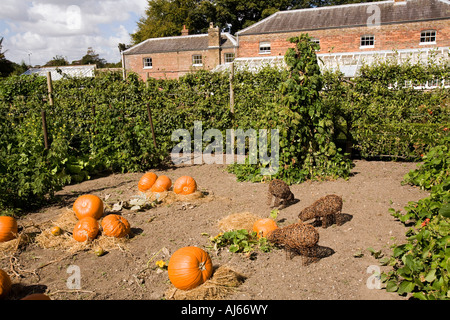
<point x="39" y="30"/>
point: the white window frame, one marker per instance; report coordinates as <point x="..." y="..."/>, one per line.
<point x="227" y="55"/>
<point x="146" y="63"/>
<point x="427" y="34"/>
<point x="197" y="60"/>
<point x="316" y="40"/>
<point x="264" y="47"/>
<point x="367" y="38"/>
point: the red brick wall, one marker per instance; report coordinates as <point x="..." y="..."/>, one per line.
<point x="387" y="37"/>
<point x="174" y="64"/>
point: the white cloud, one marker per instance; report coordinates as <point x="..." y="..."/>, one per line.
<point x="47" y="28"/>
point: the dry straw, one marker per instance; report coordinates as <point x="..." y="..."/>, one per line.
<point x="238" y="221"/>
<point x="67" y="221"/>
<point x="169" y="197"/>
<point x="223" y="282"/>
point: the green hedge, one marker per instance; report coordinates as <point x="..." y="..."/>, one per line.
<point x="101" y="124"/>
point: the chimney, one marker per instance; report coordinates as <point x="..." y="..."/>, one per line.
<point x="213" y="36"/>
<point x="185" y="31"/>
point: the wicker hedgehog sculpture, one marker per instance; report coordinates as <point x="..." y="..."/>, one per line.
<point x="279" y="194"/>
<point x="326" y="208"/>
<point x="297" y="238"/>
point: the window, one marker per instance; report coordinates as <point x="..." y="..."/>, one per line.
<point x="264" y="47"/>
<point x="427" y="37"/>
<point x="229" y="57"/>
<point x="368" y="41"/>
<point x="148" y="63"/>
<point x="316" y="41"/>
<point x="197" y="60"/>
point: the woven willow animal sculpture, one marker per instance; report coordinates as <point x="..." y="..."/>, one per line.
<point x="326" y="208"/>
<point x="279" y="194"/>
<point x="297" y="238"/>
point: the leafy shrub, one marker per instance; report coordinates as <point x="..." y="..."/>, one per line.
<point x="421" y="266"/>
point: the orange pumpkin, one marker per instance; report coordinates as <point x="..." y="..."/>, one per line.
<point x="86" y="229"/>
<point x="147" y="181"/>
<point x="163" y="183"/>
<point x="114" y="225"/>
<point x="263" y="227"/>
<point x="88" y="205"/>
<point x="189" y="267"/>
<point x="185" y="185"/>
<point x="8" y="228"/>
<point x="36" y="296"/>
<point x="5" y="284"/>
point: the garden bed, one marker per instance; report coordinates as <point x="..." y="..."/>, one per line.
<point x="129" y="271"/>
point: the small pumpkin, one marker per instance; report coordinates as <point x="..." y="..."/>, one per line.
<point x="189" y="267"/>
<point x="185" y="185"/>
<point x="86" y="229"/>
<point x="36" y="296"/>
<point x="263" y="227"/>
<point x="8" y="228"/>
<point x="163" y="183"/>
<point x="88" y="205"/>
<point x="5" y="284"/>
<point x="56" y="231"/>
<point x="147" y="181"/>
<point x="114" y="225"/>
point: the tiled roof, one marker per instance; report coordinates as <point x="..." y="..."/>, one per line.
<point x="351" y="15"/>
<point x="179" y="43"/>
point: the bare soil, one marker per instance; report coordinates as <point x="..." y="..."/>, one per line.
<point x="129" y="272"/>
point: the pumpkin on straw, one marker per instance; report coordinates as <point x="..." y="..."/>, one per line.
<point x="163" y="183"/>
<point x="8" y="228"/>
<point x="88" y="205"/>
<point x="147" y="181"/>
<point x="5" y="284"/>
<point x="264" y="227"/>
<point x="114" y="225"/>
<point x="86" y="229"/>
<point x="189" y="267"/>
<point x="185" y="185"/>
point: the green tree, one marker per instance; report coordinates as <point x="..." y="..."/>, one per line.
<point x="6" y="66"/>
<point x="57" y="61"/>
<point x="91" y="57"/>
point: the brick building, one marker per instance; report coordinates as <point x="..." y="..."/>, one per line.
<point x="172" y="57"/>
<point x="348" y="36"/>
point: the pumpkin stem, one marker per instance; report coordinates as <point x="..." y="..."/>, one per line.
<point x="201" y="266"/>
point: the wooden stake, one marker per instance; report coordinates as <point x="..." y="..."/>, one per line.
<point x="50" y="88"/>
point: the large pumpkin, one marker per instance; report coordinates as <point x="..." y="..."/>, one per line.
<point x="147" y="181"/>
<point x="5" y="284"/>
<point x="36" y="296"/>
<point x="8" y="228"/>
<point x="86" y="229"/>
<point x="114" y="225"/>
<point x="189" y="267"/>
<point x="163" y="183"/>
<point x="88" y="205"/>
<point x="263" y="227"/>
<point x="185" y="185"/>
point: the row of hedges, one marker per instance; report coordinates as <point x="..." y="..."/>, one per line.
<point x="101" y="124"/>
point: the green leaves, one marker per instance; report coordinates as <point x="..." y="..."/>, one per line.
<point x="240" y="241"/>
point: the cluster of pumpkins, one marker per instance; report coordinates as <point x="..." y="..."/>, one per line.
<point x="184" y="185"/>
<point x="89" y="209"/>
<point x="188" y="267"/>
